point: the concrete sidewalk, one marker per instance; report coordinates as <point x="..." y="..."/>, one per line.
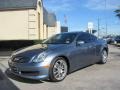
<point x="4" y="57"/>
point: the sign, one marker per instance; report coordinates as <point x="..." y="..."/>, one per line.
<point x="90" y="25"/>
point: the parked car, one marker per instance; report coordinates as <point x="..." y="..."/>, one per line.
<point x="109" y="39"/>
<point x="117" y="39"/>
<point x="58" y="56"/>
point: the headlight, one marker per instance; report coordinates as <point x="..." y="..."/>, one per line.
<point x="38" y="58"/>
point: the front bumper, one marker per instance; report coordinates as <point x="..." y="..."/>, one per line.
<point x="37" y="71"/>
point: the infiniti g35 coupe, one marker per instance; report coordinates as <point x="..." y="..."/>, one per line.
<point x="58" y="56"/>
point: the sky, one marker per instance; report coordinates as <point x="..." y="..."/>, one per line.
<point x="80" y="12"/>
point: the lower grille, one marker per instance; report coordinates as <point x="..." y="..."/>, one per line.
<point x="30" y="73"/>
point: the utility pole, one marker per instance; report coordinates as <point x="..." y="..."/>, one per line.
<point x="65" y="20"/>
<point x="106" y="25"/>
<point x="98" y="27"/>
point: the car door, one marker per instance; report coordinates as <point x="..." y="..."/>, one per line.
<point x="86" y="53"/>
<point x="91" y="49"/>
<point x="92" y="45"/>
<point x="81" y="52"/>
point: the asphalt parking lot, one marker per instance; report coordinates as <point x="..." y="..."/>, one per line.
<point x="94" y="77"/>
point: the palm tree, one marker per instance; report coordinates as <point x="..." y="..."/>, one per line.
<point x="117" y="13"/>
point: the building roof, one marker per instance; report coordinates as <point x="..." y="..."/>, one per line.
<point x="49" y="18"/>
<point x="17" y="4"/>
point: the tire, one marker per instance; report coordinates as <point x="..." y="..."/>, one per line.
<point x="58" y="70"/>
<point x="104" y="57"/>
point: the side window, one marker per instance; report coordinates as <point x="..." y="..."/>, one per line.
<point x="84" y="37"/>
<point x="93" y="38"/>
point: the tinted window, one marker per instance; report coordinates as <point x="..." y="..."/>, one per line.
<point x="87" y="38"/>
<point x="84" y="37"/>
<point x="65" y="38"/>
<point x="93" y="38"/>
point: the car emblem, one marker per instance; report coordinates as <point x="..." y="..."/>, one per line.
<point x="17" y="59"/>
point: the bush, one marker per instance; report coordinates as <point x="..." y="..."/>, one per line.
<point x="13" y="45"/>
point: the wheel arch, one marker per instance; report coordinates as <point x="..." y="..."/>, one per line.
<point x="52" y="63"/>
<point x="105" y="48"/>
<point x="67" y="61"/>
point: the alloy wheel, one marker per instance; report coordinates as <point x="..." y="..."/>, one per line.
<point x="60" y="70"/>
<point x="104" y="56"/>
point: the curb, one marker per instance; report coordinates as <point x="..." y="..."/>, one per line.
<point x="4" y="57"/>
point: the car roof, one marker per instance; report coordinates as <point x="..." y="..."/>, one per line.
<point x="74" y="32"/>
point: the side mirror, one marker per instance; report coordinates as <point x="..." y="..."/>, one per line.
<point x="78" y="43"/>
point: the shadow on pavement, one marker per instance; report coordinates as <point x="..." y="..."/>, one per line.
<point x="5" y="83"/>
<point x="115" y="53"/>
<point x="23" y="80"/>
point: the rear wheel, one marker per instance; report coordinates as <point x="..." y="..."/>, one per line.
<point x="58" y="70"/>
<point x="104" y="57"/>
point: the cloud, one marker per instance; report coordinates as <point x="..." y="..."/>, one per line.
<point x="61" y="5"/>
<point x="100" y="4"/>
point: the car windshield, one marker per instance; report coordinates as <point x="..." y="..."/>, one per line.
<point x="65" y="38"/>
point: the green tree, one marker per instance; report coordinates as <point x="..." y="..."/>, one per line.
<point x="118" y="13"/>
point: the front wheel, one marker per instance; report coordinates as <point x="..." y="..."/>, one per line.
<point x="104" y="57"/>
<point x="58" y="70"/>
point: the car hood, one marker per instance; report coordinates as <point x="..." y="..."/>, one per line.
<point x="36" y="49"/>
